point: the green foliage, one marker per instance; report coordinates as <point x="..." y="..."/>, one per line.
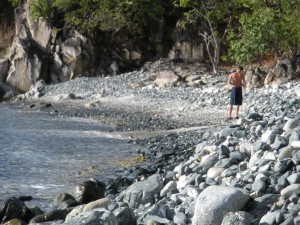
<point x="41" y="8"/>
<point x="265" y="27"/>
<point x="15" y="3"/>
<point x="90" y="15"/>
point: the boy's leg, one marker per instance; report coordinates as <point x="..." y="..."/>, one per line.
<point x="230" y="110"/>
<point x="237" y="111"/>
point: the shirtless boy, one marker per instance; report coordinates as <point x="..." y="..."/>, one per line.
<point x="237" y="80"/>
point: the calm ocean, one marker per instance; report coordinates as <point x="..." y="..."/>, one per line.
<point x="42" y="155"/>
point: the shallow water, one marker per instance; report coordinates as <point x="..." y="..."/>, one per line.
<point x="42" y="155"/>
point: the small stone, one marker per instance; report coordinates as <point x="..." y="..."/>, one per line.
<point x="259" y="186"/>
<point x="295" y="144"/>
<point x="180" y="218"/>
<point x="269" y="218"/>
<point x="291" y="124"/>
<point x="289" y="190"/>
<point x="152" y="222"/>
<point x="282" y="166"/>
<point x="294" y="178"/>
<point x="167" y="188"/>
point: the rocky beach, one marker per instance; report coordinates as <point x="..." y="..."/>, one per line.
<point x="194" y="167"/>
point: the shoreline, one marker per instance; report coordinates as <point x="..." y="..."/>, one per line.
<point x="188" y="146"/>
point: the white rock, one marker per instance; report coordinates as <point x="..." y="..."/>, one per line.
<point x="269" y="156"/>
<point x="182" y="182"/>
<point x="214" y="172"/>
<point x="295" y="144"/>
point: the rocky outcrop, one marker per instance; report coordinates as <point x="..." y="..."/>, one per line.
<point x="284" y="71"/>
<point x="40" y="52"/>
<point x="28" y="64"/>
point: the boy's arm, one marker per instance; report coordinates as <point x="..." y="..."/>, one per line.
<point x="230" y="80"/>
<point x="244" y="81"/>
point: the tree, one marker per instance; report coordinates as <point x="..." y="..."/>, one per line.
<point x="265" y="26"/>
<point x="90" y="15"/>
<point x="14" y="3"/>
<point x="212" y="14"/>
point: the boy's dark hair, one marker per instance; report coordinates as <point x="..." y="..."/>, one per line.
<point x="240" y="68"/>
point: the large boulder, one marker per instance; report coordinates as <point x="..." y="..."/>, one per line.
<point x="215" y="202"/>
<point x="29" y="64"/>
<point x="89" y="191"/>
<point x="142" y="192"/>
<point x="72" y="57"/>
<point x="166" y="79"/>
<point x="14" y="208"/>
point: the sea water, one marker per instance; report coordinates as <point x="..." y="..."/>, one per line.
<point x="42" y="155"/>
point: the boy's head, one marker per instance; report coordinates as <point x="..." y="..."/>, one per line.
<point x="240" y="68"/>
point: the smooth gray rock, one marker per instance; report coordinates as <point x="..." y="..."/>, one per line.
<point x="259" y="186"/>
<point x="279" y="142"/>
<point x="180" y="218"/>
<point x="142" y="192"/>
<point x="269" y="136"/>
<point x="228" y="131"/>
<point x="291" y="124"/>
<point x="207" y="164"/>
<point x="285" y="153"/>
<point x="226" y="163"/>
<point x="289" y="190"/>
<point x="160" y="212"/>
<point x="296" y="158"/>
<point x="239" y="156"/>
<point x="215" y="202"/>
<point x="294" y="137"/>
<point x="94" y="217"/>
<point x="125" y="216"/>
<point x="63" y="201"/>
<point x="269" y="218"/>
<point x="288" y="221"/>
<point x="238" y="218"/>
<point x="167" y="188"/>
<point x="294" y="178"/>
<point x="282" y="166"/>
<point x="261" y="205"/>
<point x="254" y="116"/>
<point x="224" y="151"/>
